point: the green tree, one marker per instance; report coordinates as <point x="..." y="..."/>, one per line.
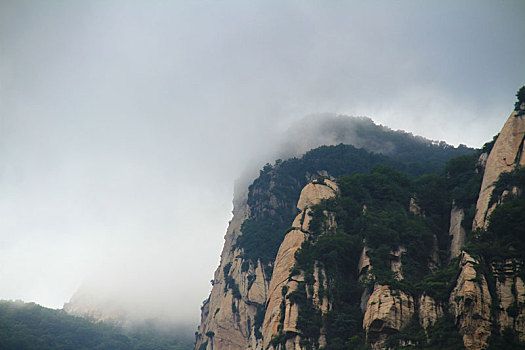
<point x="521" y="94"/>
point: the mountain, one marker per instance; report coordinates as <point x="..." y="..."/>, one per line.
<point x="358" y="144"/>
<point x="27" y="326"/>
<point x="344" y="248"/>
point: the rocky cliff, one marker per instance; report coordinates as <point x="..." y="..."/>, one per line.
<point x="377" y="259"/>
<point x="281" y="314"/>
<point x="470" y="303"/>
<point x="229" y="315"/>
<point x="244" y="307"/>
<point x="478" y="311"/>
<point x="507" y="153"/>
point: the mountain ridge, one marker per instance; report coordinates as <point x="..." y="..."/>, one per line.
<point x="269" y="207"/>
<point x="405" y="282"/>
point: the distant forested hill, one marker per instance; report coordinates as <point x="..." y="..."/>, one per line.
<point x="31" y="326"/>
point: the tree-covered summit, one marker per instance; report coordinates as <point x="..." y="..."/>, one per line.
<point x="273" y="196"/>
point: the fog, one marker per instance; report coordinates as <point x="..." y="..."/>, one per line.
<point x="125" y="124"/>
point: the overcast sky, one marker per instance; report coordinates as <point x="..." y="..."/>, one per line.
<point x="125" y="123"/>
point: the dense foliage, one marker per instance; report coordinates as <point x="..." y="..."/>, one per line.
<point x="374" y="208"/>
<point x="502" y="245"/>
<point x="520" y="95"/>
<point x="442" y="335"/>
<point x="504" y="237"/>
<point x="30" y="326"/>
<point x="273" y="195"/>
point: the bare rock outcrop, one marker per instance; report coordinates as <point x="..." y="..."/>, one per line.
<point x="414" y="208"/>
<point x="395" y="262"/>
<point x="470" y="301"/>
<point x="429" y="311"/>
<point x="283" y="262"/>
<point x="281" y="315"/>
<point x="456" y="231"/>
<point x="87" y="304"/>
<point x="227" y="317"/>
<point x="388" y="311"/>
<point x="508" y="151"/>
<point x="363" y="273"/>
<point x="470" y="304"/>
<point x="511" y="296"/>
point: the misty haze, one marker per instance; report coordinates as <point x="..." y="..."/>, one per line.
<point x="137" y="138"/>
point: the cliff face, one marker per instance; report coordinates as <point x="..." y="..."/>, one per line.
<point x="387" y="311"/>
<point x="507" y="153"/>
<point x="229" y="314"/>
<point x="281" y="314"/>
<point x="457" y="231"/>
<point x="392" y="264"/>
<point x="510" y="290"/>
<point x="471" y="301"/>
<point x="248" y="316"/>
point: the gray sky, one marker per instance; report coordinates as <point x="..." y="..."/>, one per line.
<point x="125" y="123"/>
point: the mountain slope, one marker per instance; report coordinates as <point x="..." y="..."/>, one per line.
<point x="233" y="314"/>
<point x="30" y="326"/>
<point x="392" y="259"/>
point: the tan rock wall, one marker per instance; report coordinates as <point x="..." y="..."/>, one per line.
<point x="395" y="262"/>
<point x="470" y="303"/>
<point x="229" y="319"/>
<point x="456" y="230"/>
<point x="511" y="295"/>
<point x="429" y="311"/>
<point x="283" y="262"/>
<point x="387" y="311"/>
<point x="311" y="195"/>
<point x="502" y="158"/>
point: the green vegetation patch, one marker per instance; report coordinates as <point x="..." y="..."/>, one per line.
<point x="374" y="208"/>
<point x="274" y="194"/>
<point x="31" y="326"/>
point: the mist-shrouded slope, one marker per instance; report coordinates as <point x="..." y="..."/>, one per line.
<point x="25" y="326"/>
<point x="361" y="132"/>
<point x="329" y="129"/>
<point x="233" y="315"/>
<point x="411" y="153"/>
<point x="380" y="259"/>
